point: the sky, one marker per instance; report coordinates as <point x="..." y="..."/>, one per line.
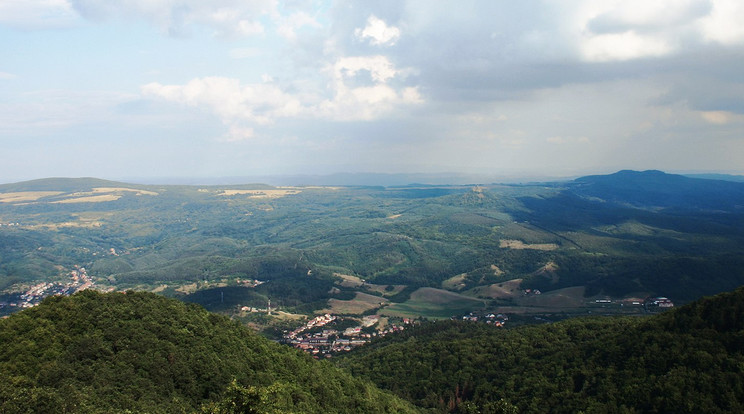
<point x="229" y="88"/>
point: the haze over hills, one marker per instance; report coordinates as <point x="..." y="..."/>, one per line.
<point x="596" y="245"/>
<point x="629" y="234"/>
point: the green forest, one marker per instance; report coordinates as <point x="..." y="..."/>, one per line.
<point x="688" y="360"/>
<point x="140" y="352"/>
<point x="613" y="235"/>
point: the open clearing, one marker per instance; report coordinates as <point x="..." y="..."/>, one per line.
<point x="122" y="189"/>
<point x="455" y="282"/>
<point x="504" y="290"/>
<point x="21" y="196"/>
<point x="260" y="193"/>
<point x="349" y="281"/>
<point x="361" y="303"/>
<point x="433" y="303"/>
<point x="520" y="245"/>
<point x="89" y="199"/>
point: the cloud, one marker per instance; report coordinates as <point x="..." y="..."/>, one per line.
<point x="287" y="27"/>
<point x="240" y="106"/>
<point x="257" y="103"/>
<point x="227" y="18"/>
<point x="723" y="24"/>
<point x="6" y="75"/>
<point x="37" y="14"/>
<point x="378" y="32"/>
<point x="244" y="52"/>
<point x="720" y="117"/>
<point x="567" y="140"/>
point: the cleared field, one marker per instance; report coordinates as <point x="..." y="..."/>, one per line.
<point x="433" y="303"/>
<point x="89" y="199"/>
<point x="519" y="245"/>
<point x="349" y="281"/>
<point x="504" y="290"/>
<point x="122" y="189"/>
<point x="260" y="193"/>
<point x="455" y="282"/>
<point x="570" y="297"/>
<point x="361" y="303"/>
<point x="21" y="196"/>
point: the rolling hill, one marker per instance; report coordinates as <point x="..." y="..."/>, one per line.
<point x="628" y="234"/>
<point x="139" y="352"/>
<point x="689" y="360"/>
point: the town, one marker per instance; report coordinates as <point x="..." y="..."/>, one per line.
<point x="315" y="338"/>
<point x="79" y="280"/>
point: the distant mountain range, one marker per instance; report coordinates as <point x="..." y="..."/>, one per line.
<point x="656" y="189"/>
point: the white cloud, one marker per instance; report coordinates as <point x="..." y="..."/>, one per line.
<point x="240" y="106"/>
<point x="623" y="46"/>
<point x="287" y="27"/>
<point x="227" y="17"/>
<point x="720" y="117"/>
<point x="724" y="24"/>
<point x="379" y="67"/>
<point x="378" y="32"/>
<point x="258" y="103"/>
<point x="37" y="14"/>
<point x="6" y="75"/>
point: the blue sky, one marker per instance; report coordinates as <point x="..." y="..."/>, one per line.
<point x="174" y="88"/>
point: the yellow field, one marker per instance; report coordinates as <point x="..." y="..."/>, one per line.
<point x="508" y="289"/>
<point x="21" y="196"/>
<point x="349" y="280"/>
<point x="455" y="282"/>
<point x="362" y="302"/>
<point x="89" y="199"/>
<point x="261" y="193"/>
<point x="120" y="189"/>
<point x="520" y="245"/>
<point x="394" y="216"/>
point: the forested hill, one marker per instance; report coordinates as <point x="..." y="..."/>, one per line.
<point x="661" y="190"/>
<point x="690" y="360"/>
<point x="139" y="352"/>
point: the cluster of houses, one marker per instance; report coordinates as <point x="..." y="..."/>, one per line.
<point x="327" y="342"/>
<point x="495" y="319"/>
<point x="660" y="302"/>
<point x="34" y="294"/>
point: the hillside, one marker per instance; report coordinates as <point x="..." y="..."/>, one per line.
<point x="139" y="352"/>
<point x="624" y="235"/>
<point x="689" y="360"/>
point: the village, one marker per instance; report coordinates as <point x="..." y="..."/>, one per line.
<point x="313" y="337"/>
<point x="79" y="280"/>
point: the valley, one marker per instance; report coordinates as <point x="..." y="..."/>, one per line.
<point x="551" y="250"/>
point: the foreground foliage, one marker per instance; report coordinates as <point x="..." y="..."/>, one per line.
<point x="690" y="360"/>
<point x="141" y="352"/>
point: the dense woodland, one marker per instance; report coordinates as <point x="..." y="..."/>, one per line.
<point x="94" y="352"/>
<point x="689" y="360"/>
<point x="140" y="352"/>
